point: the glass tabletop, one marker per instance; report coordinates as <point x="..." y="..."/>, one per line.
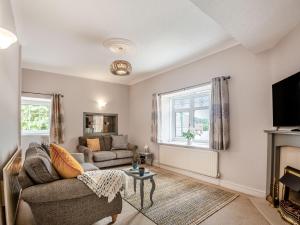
<point x="135" y="173"/>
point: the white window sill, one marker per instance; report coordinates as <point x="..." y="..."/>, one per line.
<point x="34" y="134"/>
<point x="183" y="144"/>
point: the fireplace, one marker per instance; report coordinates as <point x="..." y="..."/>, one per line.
<point x="288" y="202"/>
<point x="289" y="206"/>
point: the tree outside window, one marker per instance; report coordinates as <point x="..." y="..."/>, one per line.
<point x="35" y="116"/>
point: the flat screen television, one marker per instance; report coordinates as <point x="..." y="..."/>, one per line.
<point x="286" y="102"/>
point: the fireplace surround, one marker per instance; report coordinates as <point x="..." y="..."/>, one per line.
<point x="277" y="140"/>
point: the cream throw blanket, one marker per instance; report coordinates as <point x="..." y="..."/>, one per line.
<point x="105" y="183"/>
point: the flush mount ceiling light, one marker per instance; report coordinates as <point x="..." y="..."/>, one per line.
<point x="118" y="45"/>
<point x="120" y="68"/>
<point x="7" y="38"/>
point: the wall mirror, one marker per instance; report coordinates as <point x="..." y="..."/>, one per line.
<point x="99" y="123"/>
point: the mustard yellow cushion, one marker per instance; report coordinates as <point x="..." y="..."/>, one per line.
<point x="93" y="144"/>
<point x="64" y="163"/>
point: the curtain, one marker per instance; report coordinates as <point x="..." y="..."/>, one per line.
<point x="57" y="120"/>
<point x="219" y="114"/>
<point x="155" y="119"/>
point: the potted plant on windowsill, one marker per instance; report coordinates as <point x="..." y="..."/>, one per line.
<point x="189" y="135"/>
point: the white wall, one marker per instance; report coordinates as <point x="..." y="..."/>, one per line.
<point x="285" y="57"/>
<point x="80" y="95"/>
<point x="9" y="89"/>
<point x="250" y="110"/>
<point x="9" y="93"/>
<point x="244" y="163"/>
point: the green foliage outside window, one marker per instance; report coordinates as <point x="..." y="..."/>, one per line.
<point x="35" y="118"/>
<point x="204" y="122"/>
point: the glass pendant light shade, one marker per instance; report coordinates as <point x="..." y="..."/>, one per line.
<point x="120" y="68"/>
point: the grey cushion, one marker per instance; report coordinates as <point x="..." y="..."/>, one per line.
<point x="24" y="180"/>
<point x="36" y="149"/>
<point x="115" y="162"/>
<point x="39" y="167"/>
<point x="78" y="156"/>
<point x="119" y="141"/>
<point x="106" y="142"/>
<point x="88" y="167"/>
<point x="123" y="154"/>
<point x="104" y="155"/>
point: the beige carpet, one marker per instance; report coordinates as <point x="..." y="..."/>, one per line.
<point x="179" y="200"/>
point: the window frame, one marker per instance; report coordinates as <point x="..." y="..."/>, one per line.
<point x="38" y="102"/>
<point x="191" y="110"/>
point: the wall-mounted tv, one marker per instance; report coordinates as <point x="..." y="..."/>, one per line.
<point x="286" y="102"/>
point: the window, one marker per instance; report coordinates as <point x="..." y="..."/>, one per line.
<point x="185" y="110"/>
<point x="35" y="116"/>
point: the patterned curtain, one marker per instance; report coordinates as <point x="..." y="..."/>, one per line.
<point x="219" y="114"/>
<point x="155" y="119"/>
<point x="57" y="120"/>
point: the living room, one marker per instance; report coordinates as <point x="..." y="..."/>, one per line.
<point x="135" y="67"/>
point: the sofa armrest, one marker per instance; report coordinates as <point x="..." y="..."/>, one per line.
<point x="59" y="190"/>
<point x="78" y="156"/>
<point x="132" y="147"/>
<point x="88" y="154"/>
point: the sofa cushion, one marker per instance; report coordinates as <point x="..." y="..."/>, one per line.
<point x="64" y="162"/>
<point x="39" y="167"/>
<point x="107" y="142"/>
<point x="93" y="144"/>
<point x="83" y="140"/>
<point x="35" y="149"/>
<point x="123" y="154"/>
<point x="119" y="141"/>
<point x="104" y="156"/>
<point x="88" y="167"/>
<point x="24" y="179"/>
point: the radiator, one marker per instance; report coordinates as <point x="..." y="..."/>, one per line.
<point x="200" y="161"/>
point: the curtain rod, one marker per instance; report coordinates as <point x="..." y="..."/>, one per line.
<point x="38" y="93"/>
<point x="187" y="88"/>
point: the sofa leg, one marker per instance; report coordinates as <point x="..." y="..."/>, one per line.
<point x="114" y="218"/>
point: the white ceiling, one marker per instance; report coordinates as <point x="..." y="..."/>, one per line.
<point x="65" y="36"/>
<point x="257" y="24"/>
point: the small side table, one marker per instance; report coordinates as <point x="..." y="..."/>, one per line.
<point x="146" y="156"/>
<point x="147" y="176"/>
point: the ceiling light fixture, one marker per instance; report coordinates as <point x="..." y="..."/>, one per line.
<point x="118" y="45"/>
<point x="7" y="38"/>
<point x="120" y="68"/>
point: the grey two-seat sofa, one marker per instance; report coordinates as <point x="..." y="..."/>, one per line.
<point x="107" y="156"/>
<point x="47" y="199"/>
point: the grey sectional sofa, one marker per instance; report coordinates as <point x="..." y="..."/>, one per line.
<point x="47" y="199"/>
<point x="107" y="157"/>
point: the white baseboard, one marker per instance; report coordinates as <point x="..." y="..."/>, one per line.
<point x="217" y="181"/>
<point x="197" y="176"/>
<point x="243" y="189"/>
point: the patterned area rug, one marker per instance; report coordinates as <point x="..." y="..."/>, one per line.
<point x="178" y="200"/>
